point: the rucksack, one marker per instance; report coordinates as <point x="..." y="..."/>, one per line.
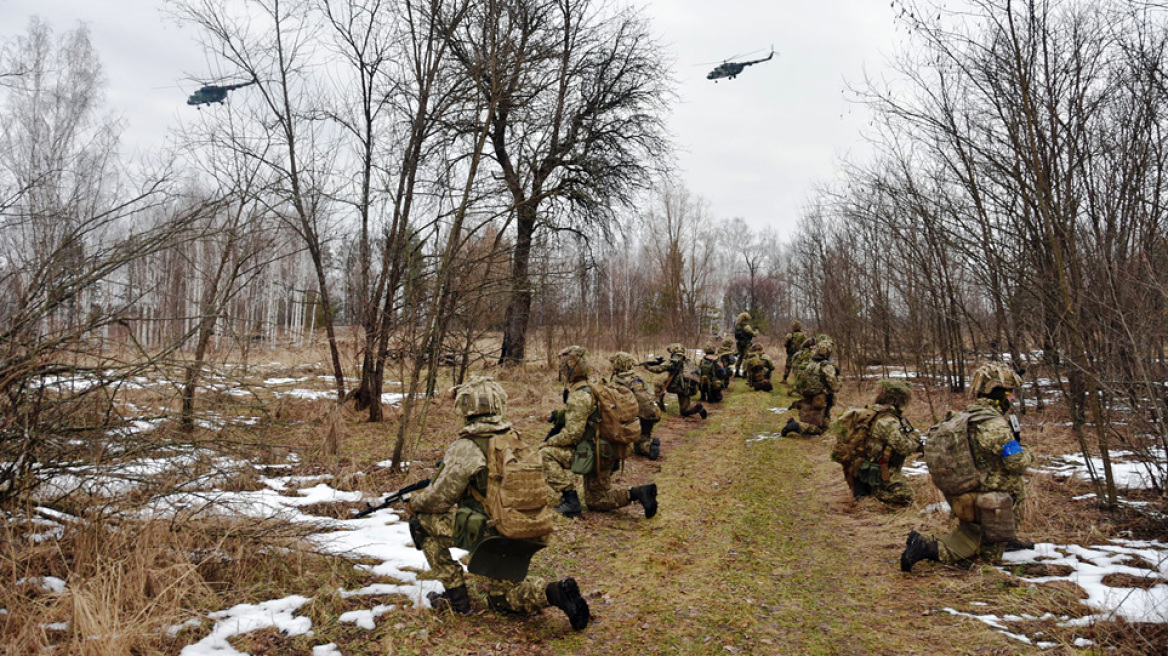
<point x="852" y="430"/>
<point x="949" y="456"/>
<point x="794" y="343"/>
<point x="741" y="334"/>
<point x="516" y="501"/>
<point x="809" y="380"/>
<point x="709" y="371"/>
<point x="618" y="409"/>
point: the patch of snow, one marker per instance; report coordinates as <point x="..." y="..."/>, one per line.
<point x="284" y="381"/>
<point x="174" y="629"/>
<point x="47" y="583"/>
<point x="1090" y="565"/>
<point x="940" y="506"/>
<point x="56" y="626"/>
<point x="326" y="650"/>
<point x="366" y="619"/>
<point x="245" y="618"/>
<point x="764" y="437"/>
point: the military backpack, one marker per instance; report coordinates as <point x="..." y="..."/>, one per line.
<point x="853" y="429"/>
<point x="741" y="334"/>
<point x="809" y="381"/>
<point x="949" y="456"/>
<point x="618" y="410"/>
<point x="516" y="500"/>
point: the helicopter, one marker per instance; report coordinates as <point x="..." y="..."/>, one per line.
<point x="729" y="69"/>
<point x="214" y="93"/>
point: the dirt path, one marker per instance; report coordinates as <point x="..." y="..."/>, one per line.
<point x="758" y="549"/>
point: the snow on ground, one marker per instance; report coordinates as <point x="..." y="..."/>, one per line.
<point x="1145" y="560"/>
<point x="382" y="536"/>
<point x="764" y="437"/>
<point x="1130" y="473"/>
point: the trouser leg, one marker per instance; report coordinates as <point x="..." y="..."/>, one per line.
<point x="557" y="467"/>
<point x="599" y="494"/>
<point x="525" y="597"/>
<point x="436" y="547"/>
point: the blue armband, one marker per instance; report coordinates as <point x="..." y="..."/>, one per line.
<point x="1012" y="448"/>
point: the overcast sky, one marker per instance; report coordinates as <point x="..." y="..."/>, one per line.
<point x="753" y="147"/>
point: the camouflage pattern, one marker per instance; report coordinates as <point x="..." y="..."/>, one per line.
<point x="792" y="343"/>
<point x="647" y="410"/>
<point x="621" y="361"/>
<point x="1000" y="474"/>
<point x="480" y="395"/>
<point x="559" y="451"/>
<point x="759" y="367"/>
<point x="991" y="376"/>
<point x="464" y="468"/>
<point x="574" y="364"/>
<point x="678" y="384"/>
<point x="726" y="356"/>
<point x="713" y="376"/>
<point x="815" y="409"/>
<point x="889" y="442"/>
<point x="744" y="334"/>
<point x="801" y="358"/>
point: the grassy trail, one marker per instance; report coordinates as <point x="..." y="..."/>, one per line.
<point x="757" y="549"/>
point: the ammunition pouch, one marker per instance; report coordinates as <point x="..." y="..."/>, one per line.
<point x="470" y="527"/>
<point x="995" y="512"/>
<point x="870" y="474"/>
<point x="584" y="461"/>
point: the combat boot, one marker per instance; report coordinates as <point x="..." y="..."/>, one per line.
<point x="569" y="505"/>
<point x="565" y="595"/>
<point x="655" y="449"/>
<point x="702" y="411"/>
<point x="646" y="495"/>
<point x="917" y="548"/>
<point x="454" y="599"/>
<point x="1019" y="544"/>
<point x="791" y="427"/>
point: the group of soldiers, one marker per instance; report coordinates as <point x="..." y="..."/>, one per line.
<point x="887" y="442"/>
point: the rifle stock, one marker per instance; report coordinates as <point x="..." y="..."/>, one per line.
<point x="394" y="498"/>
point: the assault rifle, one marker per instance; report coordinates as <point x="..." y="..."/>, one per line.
<point x="673" y="373"/>
<point x="395" y="497"/>
<point x="557" y="420"/>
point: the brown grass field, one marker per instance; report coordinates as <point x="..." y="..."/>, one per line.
<point x="757" y="549"/>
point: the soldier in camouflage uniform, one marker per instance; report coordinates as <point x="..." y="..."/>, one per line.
<point x="647" y="412"/>
<point x="727" y="357"/>
<point x="891" y="440"/>
<point x="802" y="356"/>
<point x="744" y="333"/>
<point x="462" y="475"/>
<point x="1001" y="461"/>
<point x="678" y="382"/>
<point x="793" y="342"/>
<point x="817" y="384"/>
<point x="759" y="367"/>
<point x="580" y="418"/>
<point x="712" y="374"/>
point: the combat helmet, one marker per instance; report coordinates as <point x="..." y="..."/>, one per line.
<point x="479" y="396"/>
<point x="743" y="318"/>
<point x="796" y="326"/>
<point x="756" y="348"/>
<point x="728" y="343"/>
<point x="675" y="349"/>
<point x="893" y="392"/>
<point x="710" y="349"/>
<point x="574" y="363"/>
<point x="991" y="376"/>
<point x="621" y="361"/>
<point x="823" y="347"/>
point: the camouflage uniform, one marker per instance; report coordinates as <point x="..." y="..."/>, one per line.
<point x="580" y="418"/>
<point x="712" y="373"/>
<point x="727" y="357"/>
<point x="793" y="342"/>
<point x="759" y="367"/>
<point x="744" y="334"/>
<point x="679" y="383"/>
<point x="890" y="445"/>
<point x="463" y="474"/>
<point x="1000" y="459"/>
<point x="987" y="439"/>
<point x="796" y="362"/>
<point x="815" y="408"/>
<point x="647" y="411"/>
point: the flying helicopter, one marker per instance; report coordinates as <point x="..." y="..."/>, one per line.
<point x="729" y="69"/>
<point x="214" y="93"/>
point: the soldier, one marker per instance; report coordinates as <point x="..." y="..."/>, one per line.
<point x="792" y="343"/>
<point x="817" y="385"/>
<point x="744" y="333"/>
<point x="759" y="367"/>
<point x="802" y="356"/>
<point x="680" y="381"/>
<point x="727" y="357"/>
<point x="889" y="440"/>
<point x="1000" y="461"/>
<point x="647" y="412"/>
<point x="580" y="419"/>
<point x="461" y="481"/>
<point x="712" y="374"/>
